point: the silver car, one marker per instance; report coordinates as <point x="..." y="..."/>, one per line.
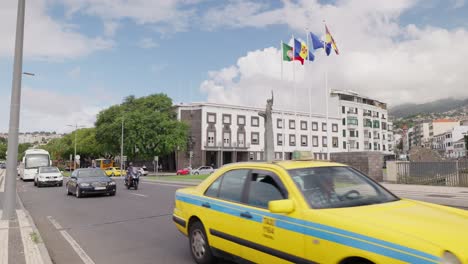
<point x="203" y="170"/>
<point x="50" y="176"/>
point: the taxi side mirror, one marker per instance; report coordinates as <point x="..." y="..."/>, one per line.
<point x="281" y="206"/>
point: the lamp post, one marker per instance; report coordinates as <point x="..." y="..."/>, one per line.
<point x="10" y="178"/>
<point x="121" y="147"/>
<point x="74" y="156"/>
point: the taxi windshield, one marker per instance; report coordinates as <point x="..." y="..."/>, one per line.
<point x="338" y="187"/>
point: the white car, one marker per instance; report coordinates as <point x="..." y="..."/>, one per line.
<point x="203" y="170"/>
<point x="48" y="176"/>
<point x="143" y="171"/>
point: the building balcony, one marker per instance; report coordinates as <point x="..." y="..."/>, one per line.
<point x="225" y="145"/>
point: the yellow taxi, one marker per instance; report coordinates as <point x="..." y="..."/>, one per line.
<point x="313" y="212"/>
<point x="115" y="171"/>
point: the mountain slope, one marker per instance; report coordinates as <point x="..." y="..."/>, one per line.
<point x="439" y="106"/>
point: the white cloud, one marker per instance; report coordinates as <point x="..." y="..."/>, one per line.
<point x="147" y="43"/>
<point x="459" y="3"/>
<point x="75" y="72"/>
<point x="45" y="110"/>
<point x="379" y="58"/>
<point x="110" y="28"/>
<point x="44" y="38"/>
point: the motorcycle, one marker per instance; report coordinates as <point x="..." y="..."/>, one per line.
<point x="133" y="181"/>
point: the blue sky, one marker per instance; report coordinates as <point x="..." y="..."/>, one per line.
<point x="89" y="54"/>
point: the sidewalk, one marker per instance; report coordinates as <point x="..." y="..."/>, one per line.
<point x="20" y="241"/>
<point x="450" y="196"/>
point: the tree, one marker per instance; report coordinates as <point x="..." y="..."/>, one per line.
<point x="87" y="146"/>
<point x="150" y="127"/>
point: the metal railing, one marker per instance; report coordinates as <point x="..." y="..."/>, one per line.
<point x="446" y="173"/>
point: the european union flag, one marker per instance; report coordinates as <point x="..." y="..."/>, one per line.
<point x="316" y="42"/>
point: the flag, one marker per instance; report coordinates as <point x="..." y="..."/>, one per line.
<point x="330" y="41"/>
<point x="328" y="48"/>
<point x="301" y="51"/>
<point x="316" y="42"/>
<point x="287" y="52"/>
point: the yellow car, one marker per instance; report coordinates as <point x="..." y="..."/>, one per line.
<point x="313" y="212"/>
<point x="115" y="171"/>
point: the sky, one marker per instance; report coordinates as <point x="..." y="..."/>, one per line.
<point x="90" y="54"/>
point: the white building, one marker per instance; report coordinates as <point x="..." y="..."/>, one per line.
<point x="365" y="123"/>
<point x="421" y="135"/>
<point x="223" y="134"/>
<point x="459" y="148"/>
<point x="440" y="126"/>
<point x="445" y="142"/>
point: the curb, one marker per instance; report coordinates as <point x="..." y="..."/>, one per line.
<point x="42" y="247"/>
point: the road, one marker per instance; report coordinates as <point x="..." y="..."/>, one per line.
<point x="131" y="227"/>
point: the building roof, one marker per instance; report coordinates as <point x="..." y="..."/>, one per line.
<point x="444" y="120"/>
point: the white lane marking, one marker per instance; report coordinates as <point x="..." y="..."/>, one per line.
<point x="167" y="184"/>
<point x="31" y="249"/>
<point x="78" y="249"/>
<point x="3" y="241"/>
<point x="2" y="179"/>
<point x="137" y="194"/>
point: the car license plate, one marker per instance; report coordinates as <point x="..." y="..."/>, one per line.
<point x="99" y="188"/>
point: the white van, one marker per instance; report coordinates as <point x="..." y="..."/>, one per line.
<point x="32" y="160"/>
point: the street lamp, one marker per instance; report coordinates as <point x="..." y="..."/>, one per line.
<point x="121" y="147"/>
<point x="74" y="156"/>
<point x="10" y="179"/>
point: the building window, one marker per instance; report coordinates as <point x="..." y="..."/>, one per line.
<point x="227" y="139"/>
<point x="303" y="125"/>
<point x="352" y="120"/>
<point x="226" y="119"/>
<point x="334" y="127"/>
<point x="303" y="140"/>
<point x="344" y="132"/>
<point x="279" y="123"/>
<point x="335" y="142"/>
<point x="314" y="126"/>
<point x="241" y="139"/>
<point x="354" y="133"/>
<point x="357" y="145"/>
<point x="344" y="144"/>
<point x="279" y="139"/>
<point x="241" y="120"/>
<point x="278" y="155"/>
<point x="344" y="121"/>
<point x="255" y="138"/>
<point x="324" y="127"/>
<point x="384" y="125"/>
<point x="376" y="124"/>
<point x="343" y="109"/>
<point x="292" y="124"/>
<point x="383" y="147"/>
<point x="255" y="121"/>
<point x="211" y="118"/>
<point x="315" y="141"/>
<point x="211" y="138"/>
<point x="367" y="122"/>
<point x="324" y="141"/>
<point x="292" y="140"/>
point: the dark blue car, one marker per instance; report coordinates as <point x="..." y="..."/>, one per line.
<point x="90" y="181"/>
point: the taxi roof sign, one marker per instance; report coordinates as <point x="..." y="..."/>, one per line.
<point x="302" y="155"/>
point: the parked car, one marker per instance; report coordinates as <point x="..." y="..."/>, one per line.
<point x="2" y="166"/>
<point x="90" y="181"/>
<point x="203" y="170"/>
<point x="313" y="212"/>
<point x="184" y="171"/>
<point x="143" y="171"/>
<point x="115" y="171"/>
<point x="48" y="176"/>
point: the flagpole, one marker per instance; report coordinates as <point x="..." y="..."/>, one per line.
<point x="326" y="97"/>
<point x="282" y="114"/>
<point x="310" y="96"/>
<point x="295" y="88"/>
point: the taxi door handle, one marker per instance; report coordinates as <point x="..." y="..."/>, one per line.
<point x="246" y="215"/>
<point x="207" y="205"/>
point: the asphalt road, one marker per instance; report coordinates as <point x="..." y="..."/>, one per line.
<point x="131" y="227"/>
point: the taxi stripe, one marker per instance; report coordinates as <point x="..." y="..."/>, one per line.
<point x="340" y="236"/>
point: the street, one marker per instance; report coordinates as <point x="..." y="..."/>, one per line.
<point x="131" y="227"/>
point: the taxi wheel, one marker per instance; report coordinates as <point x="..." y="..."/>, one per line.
<point x="199" y="247"/>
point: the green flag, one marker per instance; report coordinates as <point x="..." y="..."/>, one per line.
<point x="287" y="52"/>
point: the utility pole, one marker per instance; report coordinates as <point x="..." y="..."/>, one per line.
<point x="10" y="178"/>
<point x="76" y="131"/>
<point x="121" y="147"/>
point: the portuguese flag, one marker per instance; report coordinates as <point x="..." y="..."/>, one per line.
<point x="287" y="52"/>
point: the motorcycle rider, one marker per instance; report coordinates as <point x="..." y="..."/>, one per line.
<point x="130" y="172"/>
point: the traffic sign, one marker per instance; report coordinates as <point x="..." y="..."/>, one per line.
<point x="156" y="158"/>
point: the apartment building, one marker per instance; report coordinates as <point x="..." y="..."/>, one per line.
<point x="221" y="134"/>
<point x="365" y="123"/>
<point x="445" y="142"/>
<point x="421" y="135"/>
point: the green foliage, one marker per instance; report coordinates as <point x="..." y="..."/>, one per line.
<point x="3" y="149"/>
<point x="22" y="147"/>
<point x="150" y="127"/>
<point x="86" y="145"/>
